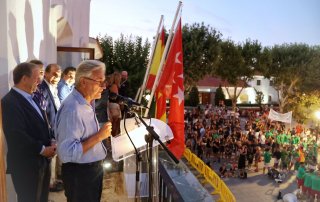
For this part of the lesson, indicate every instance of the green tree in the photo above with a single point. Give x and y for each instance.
(304, 106)
(219, 96)
(192, 99)
(291, 67)
(238, 64)
(259, 97)
(200, 52)
(106, 44)
(129, 54)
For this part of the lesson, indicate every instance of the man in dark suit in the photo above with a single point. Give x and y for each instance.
(27, 135)
(124, 85)
(49, 90)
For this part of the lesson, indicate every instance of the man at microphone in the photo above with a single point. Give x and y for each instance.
(79, 137)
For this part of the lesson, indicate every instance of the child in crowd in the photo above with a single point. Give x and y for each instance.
(266, 159)
(223, 170)
(277, 157)
(284, 159)
(257, 158)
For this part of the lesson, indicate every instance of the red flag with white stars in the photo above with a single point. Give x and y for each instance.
(172, 82)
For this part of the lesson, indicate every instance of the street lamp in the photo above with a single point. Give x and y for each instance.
(317, 113)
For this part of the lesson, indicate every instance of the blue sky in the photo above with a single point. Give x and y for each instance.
(269, 21)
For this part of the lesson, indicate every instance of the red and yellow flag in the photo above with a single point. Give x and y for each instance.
(161, 106)
(156, 60)
(171, 83)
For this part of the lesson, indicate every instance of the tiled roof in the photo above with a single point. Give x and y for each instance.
(216, 81)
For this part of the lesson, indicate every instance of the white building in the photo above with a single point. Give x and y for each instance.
(208, 86)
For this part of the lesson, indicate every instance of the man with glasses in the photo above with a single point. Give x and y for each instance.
(79, 136)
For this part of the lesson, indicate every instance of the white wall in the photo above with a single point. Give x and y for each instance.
(28, 31)
(265, 88)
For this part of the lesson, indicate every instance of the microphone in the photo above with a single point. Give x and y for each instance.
(127, 100)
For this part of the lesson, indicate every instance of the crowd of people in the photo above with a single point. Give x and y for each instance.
(236, 142)
(53, 137)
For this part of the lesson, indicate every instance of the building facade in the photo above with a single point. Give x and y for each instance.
(208, 86)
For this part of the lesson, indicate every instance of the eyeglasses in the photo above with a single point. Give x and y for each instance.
(101, 83)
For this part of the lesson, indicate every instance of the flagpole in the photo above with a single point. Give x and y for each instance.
(143, 86)
(166, 49)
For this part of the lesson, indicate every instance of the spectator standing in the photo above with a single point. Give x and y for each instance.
(114, 107)
(277, 157)
(66, 84)
(266, 159)
(48, 89)
(124, 84)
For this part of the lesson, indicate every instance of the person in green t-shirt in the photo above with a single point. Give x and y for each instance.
(215, 136)
(284, 159)
(300, 174)
(295, 140)
(279, 139)
(283, 137)
(266, 159)
(287, 138)
(294, 159)
(269, 134)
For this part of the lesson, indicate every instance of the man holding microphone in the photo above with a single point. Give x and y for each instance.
(79, 137)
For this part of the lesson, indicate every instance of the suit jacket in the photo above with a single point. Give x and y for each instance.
(124, 88)
(26, 133)
(51, 108)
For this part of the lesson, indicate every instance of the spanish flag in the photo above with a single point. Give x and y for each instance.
(156, 60)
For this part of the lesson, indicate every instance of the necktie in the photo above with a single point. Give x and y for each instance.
(40, 110)
(35, 105)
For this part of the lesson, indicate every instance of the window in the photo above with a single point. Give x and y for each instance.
(269, 98)
(271, 83)
(258, 82)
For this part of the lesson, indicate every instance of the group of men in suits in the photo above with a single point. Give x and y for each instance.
(45, 96)
(37, 128)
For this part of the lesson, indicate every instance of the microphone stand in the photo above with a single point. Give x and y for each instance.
(138, 155)
(149, 139)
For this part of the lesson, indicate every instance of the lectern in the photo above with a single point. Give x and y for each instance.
(122, 149)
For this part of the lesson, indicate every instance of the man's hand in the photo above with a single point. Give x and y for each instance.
(105, 131)
(49, 151)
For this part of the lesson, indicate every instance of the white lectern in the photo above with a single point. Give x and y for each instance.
(122, 147)
(137, 135)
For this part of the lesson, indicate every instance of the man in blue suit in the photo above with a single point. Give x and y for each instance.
(48, 89)
(27, 135)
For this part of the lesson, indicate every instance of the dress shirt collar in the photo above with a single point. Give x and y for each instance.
(80, 98)
(53, 88)
(65, 83)
(23, 93)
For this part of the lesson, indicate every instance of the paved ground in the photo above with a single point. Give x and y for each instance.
(259, 187)
(256, 188)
